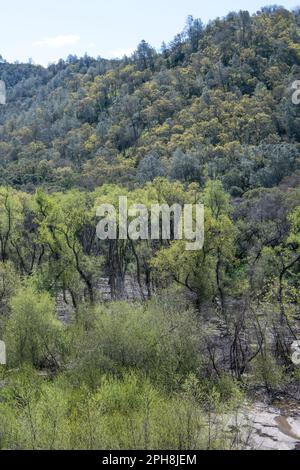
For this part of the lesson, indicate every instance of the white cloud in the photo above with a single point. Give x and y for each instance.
(59, 41)
(119, 53)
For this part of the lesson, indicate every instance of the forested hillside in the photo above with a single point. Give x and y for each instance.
(216, 102)
(208, 119)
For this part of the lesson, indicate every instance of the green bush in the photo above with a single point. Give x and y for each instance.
(163, 345)
(128, 413)
(32, 333)
(268, 373)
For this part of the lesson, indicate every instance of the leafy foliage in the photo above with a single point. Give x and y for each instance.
(214, 102)
(209, 119)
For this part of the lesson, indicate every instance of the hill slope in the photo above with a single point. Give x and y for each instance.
(214, 102)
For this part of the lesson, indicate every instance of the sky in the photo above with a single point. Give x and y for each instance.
(47, 30)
